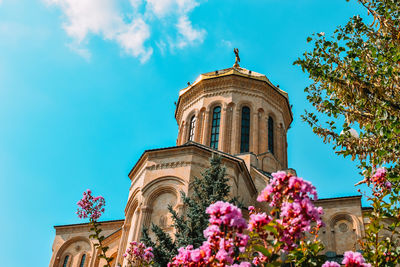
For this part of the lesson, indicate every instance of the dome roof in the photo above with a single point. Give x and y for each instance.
(235, 70)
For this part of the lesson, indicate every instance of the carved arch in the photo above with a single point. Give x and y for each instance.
(346, 235)
(60, 253)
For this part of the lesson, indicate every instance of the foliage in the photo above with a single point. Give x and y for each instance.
(382, 233)
(189, 226)
(165, 247)
(356, 83)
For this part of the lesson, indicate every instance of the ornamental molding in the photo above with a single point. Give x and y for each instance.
(172, 165)
(191, 102)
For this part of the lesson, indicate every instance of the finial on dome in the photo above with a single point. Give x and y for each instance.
(237, 58)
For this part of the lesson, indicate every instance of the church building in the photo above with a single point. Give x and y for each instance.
(238, 114)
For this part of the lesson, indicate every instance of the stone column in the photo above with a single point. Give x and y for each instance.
(222, 129)
(134, 225)
(235, 131)
(201, 126)
(197, 127)
(132, 234)
(143, 221)
(254, 133)
(146, 216)
(279, 145)
(122, 242)
(285, 163)
(206, 127)
(184, 133)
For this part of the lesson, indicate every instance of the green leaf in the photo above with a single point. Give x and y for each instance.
(263, 250)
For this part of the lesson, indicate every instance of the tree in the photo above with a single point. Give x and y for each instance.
(210, 188)
(356, 83)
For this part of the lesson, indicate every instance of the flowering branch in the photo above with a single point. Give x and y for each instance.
(93, 207)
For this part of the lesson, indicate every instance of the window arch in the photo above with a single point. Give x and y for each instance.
(65, 264)
(192, 126)
(215, 127)
(82, 260)
(271, 134)
(245, 130)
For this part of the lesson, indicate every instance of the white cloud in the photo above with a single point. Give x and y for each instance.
(80, 50)
(187, 34)
(162, 46)
(226, 43)
(162, 8)
(131, 40)
(84, 18)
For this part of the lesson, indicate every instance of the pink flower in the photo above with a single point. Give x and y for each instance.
(292, 197)
(224, 256)
(225, 238)
(224, 213)
(354, 259)
(90, 206)
(189, 256)
(330, 264)
(258, 220)
(379, 179)
(242, 264)
(286, 185)
(137, 254)
(258, 260)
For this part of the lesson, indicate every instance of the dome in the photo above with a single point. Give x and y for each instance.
(235, 70)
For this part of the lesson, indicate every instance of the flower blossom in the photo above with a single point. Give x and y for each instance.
(330, 264)
(292, 197)
(284, 185)
(137, 254)
(90, 206)
(354, 259)
(379, 179)
(258, 220)
(224, 236)
(242, 264)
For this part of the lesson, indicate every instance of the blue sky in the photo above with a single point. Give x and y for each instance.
(86, 86)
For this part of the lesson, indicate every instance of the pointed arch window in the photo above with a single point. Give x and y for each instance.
(215, 127)
(192, 126)
(82, 260)
(65, 264)
(245, 130)
(271, 134)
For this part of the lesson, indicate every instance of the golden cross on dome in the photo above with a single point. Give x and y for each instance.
(237, 58)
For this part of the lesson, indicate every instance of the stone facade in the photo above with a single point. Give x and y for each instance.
(212, 114)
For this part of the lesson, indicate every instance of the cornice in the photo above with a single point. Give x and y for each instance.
(171, 165)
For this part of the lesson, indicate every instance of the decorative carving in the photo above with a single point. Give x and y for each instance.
(163, 221)
(171, 165)
(343, 227)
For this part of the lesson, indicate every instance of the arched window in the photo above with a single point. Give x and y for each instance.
(271, 134)
(245, 132)
(65, 264)
(82, 260)
(215, 127)
(192, 125)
